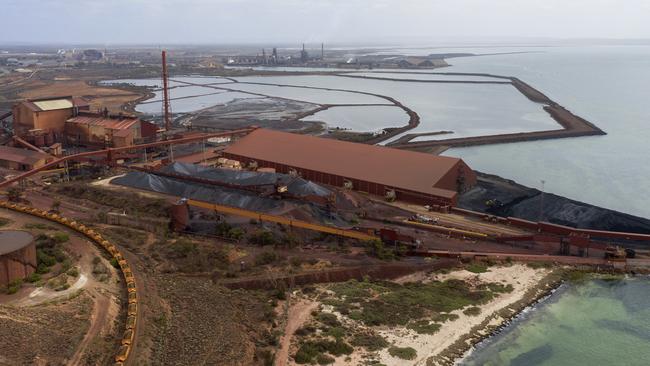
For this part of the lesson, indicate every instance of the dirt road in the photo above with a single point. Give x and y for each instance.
(298, 314)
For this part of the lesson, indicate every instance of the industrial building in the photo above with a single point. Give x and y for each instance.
(42, 121)
(405, 175)
(17, 256)
(22, 159)
(103, 129)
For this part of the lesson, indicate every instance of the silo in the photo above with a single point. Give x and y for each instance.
(180, 215)
(17, 255)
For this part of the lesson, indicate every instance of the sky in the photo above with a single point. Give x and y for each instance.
(331, 21)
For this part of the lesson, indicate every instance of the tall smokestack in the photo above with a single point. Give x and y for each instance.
(322, 51)
(166, 106)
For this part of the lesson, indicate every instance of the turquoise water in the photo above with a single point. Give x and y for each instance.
(591, 324)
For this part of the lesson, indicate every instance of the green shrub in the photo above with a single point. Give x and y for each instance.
(14, 286)
(472, 311)
(376, 248)
(115, 263)
(424, 327)
(328, 319)
(236, 233)
(44, 258)
(34, 277)
(477, 268)
(262, 238)
(336, 332)
(537, 265)
(73, 272)
(324, 359)
(306, 353)
(4, 221)
(405, 353)
(500, 288)
(370, 341)
(182, 248)
(266, 257)
(60, 237)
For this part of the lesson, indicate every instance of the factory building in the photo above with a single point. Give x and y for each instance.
(42, 121)
(105, 130)
(17, 256)
(406, 175)
(22, 159)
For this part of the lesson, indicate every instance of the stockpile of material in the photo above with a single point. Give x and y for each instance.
(234, 197)
(296, 186)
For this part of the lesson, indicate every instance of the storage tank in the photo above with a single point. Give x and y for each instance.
(17, 255)
(180, 215)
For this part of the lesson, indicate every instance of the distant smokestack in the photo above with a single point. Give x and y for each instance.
(322, 51)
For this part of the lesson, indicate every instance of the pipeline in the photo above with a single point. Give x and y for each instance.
(132, 306)
(110, 153)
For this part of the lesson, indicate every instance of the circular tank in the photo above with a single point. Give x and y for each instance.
(17, 255)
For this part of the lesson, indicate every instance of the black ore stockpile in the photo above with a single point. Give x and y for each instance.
(511, 199)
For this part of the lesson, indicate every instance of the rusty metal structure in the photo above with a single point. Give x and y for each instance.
(166, 104)
(17, 256)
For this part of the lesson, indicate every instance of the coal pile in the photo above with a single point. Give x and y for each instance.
(296, 186)
(233, 197)
(513, 199)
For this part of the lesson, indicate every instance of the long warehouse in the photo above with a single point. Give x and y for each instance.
(412, 176)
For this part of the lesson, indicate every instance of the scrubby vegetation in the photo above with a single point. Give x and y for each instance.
(132, 203)
(49, 252)
(405, 353)
(376, 248)
(472, 311)
(477, 267)
(225, 230)
(387, 303)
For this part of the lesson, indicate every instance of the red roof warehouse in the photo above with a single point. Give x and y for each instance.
(415, 177)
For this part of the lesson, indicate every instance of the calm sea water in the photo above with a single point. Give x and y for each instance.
(608, 86)
(591, 324)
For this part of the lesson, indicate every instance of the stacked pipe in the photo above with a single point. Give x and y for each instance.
(132, 305)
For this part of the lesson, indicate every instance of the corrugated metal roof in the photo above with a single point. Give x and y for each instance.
(110, 123)
(50, 105)
(396, 168)
(21, 156)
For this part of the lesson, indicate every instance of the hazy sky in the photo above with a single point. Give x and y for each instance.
(334, 21)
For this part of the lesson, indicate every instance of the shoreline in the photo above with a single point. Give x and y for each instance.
(464, 346)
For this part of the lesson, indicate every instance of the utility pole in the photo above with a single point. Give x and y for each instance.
(541, 202)
(166, 106)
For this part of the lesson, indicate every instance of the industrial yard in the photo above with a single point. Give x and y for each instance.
(244, 232)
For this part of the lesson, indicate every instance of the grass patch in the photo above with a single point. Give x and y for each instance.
(405, 353)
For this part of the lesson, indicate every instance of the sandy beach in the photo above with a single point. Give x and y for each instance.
(521, 277)
(454, 336)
